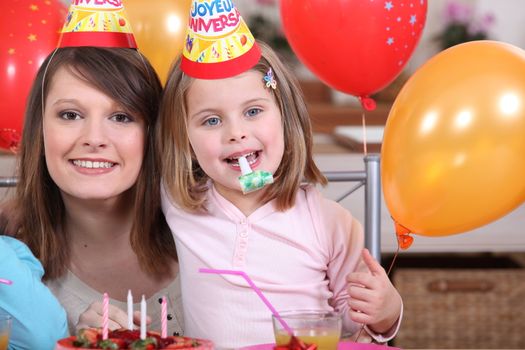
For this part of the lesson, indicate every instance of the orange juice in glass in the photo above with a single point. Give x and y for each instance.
(322, 328)
(5, 330)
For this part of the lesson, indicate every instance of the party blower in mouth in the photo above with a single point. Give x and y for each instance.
(252, 180)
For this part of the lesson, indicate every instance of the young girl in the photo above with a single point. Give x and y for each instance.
(301, 250)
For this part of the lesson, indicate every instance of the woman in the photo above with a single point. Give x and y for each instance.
(87, 201)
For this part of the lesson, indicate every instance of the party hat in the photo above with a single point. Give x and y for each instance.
(218, 41)
(97, 23)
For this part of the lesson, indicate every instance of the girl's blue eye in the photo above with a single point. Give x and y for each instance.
(212, 121)
(121, 118)
(69, 115)
(252, 112)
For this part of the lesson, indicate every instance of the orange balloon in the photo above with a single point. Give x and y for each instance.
(160, 28)
(453, 153)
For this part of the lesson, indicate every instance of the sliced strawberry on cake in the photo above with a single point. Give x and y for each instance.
(129, 339)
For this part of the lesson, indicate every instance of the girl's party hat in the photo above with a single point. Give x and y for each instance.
(97, 23)
(218, 41)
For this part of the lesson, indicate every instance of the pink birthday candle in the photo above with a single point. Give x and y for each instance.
(105, 316)
(164, 318)
(5, 281)
(255, 289)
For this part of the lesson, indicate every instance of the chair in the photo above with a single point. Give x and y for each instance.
(369, 178)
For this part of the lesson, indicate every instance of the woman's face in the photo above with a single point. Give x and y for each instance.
(93, 147)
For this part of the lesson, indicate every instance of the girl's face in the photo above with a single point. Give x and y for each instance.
(232, 117)
(93, 148)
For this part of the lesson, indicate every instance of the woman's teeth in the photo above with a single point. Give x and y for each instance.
(92, 165)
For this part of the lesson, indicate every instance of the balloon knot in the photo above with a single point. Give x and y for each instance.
(368, 103)
(403, 236)
(404, 241)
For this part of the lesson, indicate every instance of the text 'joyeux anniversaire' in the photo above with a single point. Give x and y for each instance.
(217, 15)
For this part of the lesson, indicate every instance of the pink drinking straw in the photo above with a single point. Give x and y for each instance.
(255, 289)
(105, 316)
(4, 281)
(164, 318)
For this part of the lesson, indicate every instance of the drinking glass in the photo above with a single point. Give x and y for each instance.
(5, 330)
(311, 326)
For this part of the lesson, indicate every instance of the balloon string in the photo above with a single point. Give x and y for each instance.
(363, 122)
(388, 274)
(393, 259)
(359, 334)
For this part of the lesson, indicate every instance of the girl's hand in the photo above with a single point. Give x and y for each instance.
(92, 317)
(374, 301)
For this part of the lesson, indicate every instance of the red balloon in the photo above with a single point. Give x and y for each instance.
(355, 46)
(29, 31)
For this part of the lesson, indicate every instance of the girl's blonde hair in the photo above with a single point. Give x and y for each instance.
(184, 178)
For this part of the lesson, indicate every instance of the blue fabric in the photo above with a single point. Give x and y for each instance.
(38, 318)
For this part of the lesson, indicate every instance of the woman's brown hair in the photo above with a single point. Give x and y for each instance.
(182, 175)
(127, 77)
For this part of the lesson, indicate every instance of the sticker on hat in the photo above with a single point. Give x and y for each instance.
(101, 23)
(218, 44)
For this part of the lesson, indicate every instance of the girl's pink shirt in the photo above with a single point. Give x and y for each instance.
(298, 258)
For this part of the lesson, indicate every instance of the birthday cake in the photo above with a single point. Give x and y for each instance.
(129, 339)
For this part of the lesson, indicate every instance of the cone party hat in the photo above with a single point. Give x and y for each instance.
(218, 44)
(97, 23)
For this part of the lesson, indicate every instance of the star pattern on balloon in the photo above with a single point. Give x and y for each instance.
(30, 25)
(30, 30)
(368, 47)
(401, 14)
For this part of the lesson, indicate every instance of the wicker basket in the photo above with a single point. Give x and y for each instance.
(462, 308)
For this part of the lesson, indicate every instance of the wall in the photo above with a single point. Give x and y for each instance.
(509, 25)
